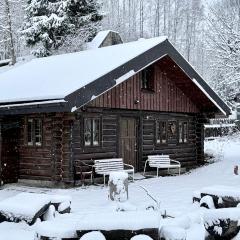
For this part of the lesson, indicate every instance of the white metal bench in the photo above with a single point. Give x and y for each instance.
(161, 161)
(106, 166)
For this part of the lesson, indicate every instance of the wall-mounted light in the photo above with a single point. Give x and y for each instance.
(136, 101)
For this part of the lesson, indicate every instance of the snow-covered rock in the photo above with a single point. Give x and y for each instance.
(141, 237)
(94, 235)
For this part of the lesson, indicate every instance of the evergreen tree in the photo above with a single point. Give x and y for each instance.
(49, 22)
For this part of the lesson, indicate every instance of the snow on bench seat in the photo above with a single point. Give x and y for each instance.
(30, 206)
(67, 225)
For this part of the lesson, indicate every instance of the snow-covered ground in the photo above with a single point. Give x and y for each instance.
(174, 193)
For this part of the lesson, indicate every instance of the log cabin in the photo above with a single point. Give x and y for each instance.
(128, 100)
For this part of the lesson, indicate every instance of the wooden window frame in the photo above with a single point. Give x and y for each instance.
(34, 143)
(147, 79)
(157, 128)
(100, 131)
(184, 140)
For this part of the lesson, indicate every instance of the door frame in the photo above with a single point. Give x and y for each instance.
(138, 134)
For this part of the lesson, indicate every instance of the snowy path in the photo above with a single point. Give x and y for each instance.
(175, 193)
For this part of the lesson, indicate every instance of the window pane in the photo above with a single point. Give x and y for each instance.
(180, 132)
(38, 132)
(164, 132)
(87, 132)
(172, 130)
(185, 132)
(30, 132)
(158, 133)
(147, 76)
(161, 132)
(95, 132)
(144, 79)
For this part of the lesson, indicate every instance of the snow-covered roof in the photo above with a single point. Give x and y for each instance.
(80, 77)
(57, 76)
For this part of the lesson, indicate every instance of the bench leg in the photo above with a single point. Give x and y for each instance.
(104, 179)
(179, 170)
(157, 172)
(133, 177)
(145, 168)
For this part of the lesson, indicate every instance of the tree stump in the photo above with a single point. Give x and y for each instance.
(118, 186)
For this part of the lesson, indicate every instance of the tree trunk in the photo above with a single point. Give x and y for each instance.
(9, 30)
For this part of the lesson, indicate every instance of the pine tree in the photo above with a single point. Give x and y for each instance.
(49, 22)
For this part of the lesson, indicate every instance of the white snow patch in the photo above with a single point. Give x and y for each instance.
(24, 205)
(173, 233)
(64, 205)
(208, 200)
(94, 235)
(141, 237)
(50, 214)
(125, 77)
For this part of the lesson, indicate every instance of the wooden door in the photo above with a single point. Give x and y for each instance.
(128, 141)
(9, 160)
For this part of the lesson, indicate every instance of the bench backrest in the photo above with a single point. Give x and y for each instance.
(159, 160)
(108, 165)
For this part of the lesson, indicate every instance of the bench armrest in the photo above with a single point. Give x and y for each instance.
(87, 165)
(128, 165)
(175, 162)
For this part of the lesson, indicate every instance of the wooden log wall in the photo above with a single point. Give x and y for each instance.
(63, 151)
(35, 163)
(109, 141)
(183, 152)
(200, 121)
(52, 160)
(186, 153)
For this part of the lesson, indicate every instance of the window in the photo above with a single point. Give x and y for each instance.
(147, 77)
(91, 132)
(172, 131)
(34, 132)
(161, 132)
(183, 132)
